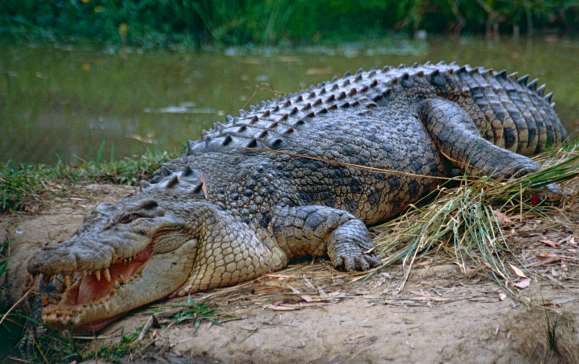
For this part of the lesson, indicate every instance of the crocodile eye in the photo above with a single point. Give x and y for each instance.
(127, 218)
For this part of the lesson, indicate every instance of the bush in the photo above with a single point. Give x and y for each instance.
(158, 23)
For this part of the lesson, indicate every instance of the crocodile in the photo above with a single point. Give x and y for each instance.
(301, 174)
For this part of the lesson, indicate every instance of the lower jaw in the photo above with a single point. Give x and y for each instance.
(84, 328)
(95, 326)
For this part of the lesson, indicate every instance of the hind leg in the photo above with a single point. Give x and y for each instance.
(457, 137)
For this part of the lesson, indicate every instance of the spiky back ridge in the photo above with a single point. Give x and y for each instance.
(510, 112)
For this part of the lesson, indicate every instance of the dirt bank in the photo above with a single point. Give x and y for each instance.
(308, 314)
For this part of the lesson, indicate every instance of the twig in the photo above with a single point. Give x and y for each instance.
(14, 306)
(380, 170)
(150, 322)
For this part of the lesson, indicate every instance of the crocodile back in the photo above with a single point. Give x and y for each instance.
(508, 111)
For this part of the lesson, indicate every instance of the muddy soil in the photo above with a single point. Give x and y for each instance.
(442, 315)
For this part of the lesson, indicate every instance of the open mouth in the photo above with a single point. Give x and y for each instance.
(84, 290)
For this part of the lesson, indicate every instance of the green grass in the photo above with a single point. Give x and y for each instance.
(20, 184)
(159, 23)
(56, 347)
(197, 313)
(4, 258)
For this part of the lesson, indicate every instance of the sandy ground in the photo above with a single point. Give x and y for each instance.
(440, 316)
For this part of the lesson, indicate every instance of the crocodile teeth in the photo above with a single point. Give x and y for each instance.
(66, 281)
(107, 275)
(121, 278)
(97, 274)
(84, 273)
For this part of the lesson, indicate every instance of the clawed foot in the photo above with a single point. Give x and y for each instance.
(351, 256)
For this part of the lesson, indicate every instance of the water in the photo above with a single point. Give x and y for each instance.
(64, 102)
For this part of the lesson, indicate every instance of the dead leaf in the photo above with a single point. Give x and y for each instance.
(572, 241)
(502, 217)
(32, 207)
(518, 271)
(307, 298)
(524, 283)
(358, 336)
(550, 243)
(278, 276)
(502, 296)
(280, 308)
(545, 255)
(428, 298)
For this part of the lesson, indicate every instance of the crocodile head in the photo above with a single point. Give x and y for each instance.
(123, 256)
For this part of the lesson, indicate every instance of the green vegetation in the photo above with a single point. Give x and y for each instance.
(197, 313)
(54, 348)
(4, 258)
(159, 23)
(23, 183)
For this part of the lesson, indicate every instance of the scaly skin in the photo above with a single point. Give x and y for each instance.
(223, 214)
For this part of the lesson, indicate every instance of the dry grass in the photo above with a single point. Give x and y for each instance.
(464, 221)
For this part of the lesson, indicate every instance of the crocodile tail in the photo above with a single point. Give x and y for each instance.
(508, 111)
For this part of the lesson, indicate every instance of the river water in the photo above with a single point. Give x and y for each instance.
(60, 101)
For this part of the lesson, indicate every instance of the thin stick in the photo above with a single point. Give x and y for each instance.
(146, 328)
(380, 170)
(37, 346)
(14, 306)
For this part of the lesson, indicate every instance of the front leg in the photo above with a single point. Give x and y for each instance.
(321, 230)
(228, 252)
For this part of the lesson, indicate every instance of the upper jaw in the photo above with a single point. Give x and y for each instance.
(86, 256)
(83, 291)
(156, 278)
